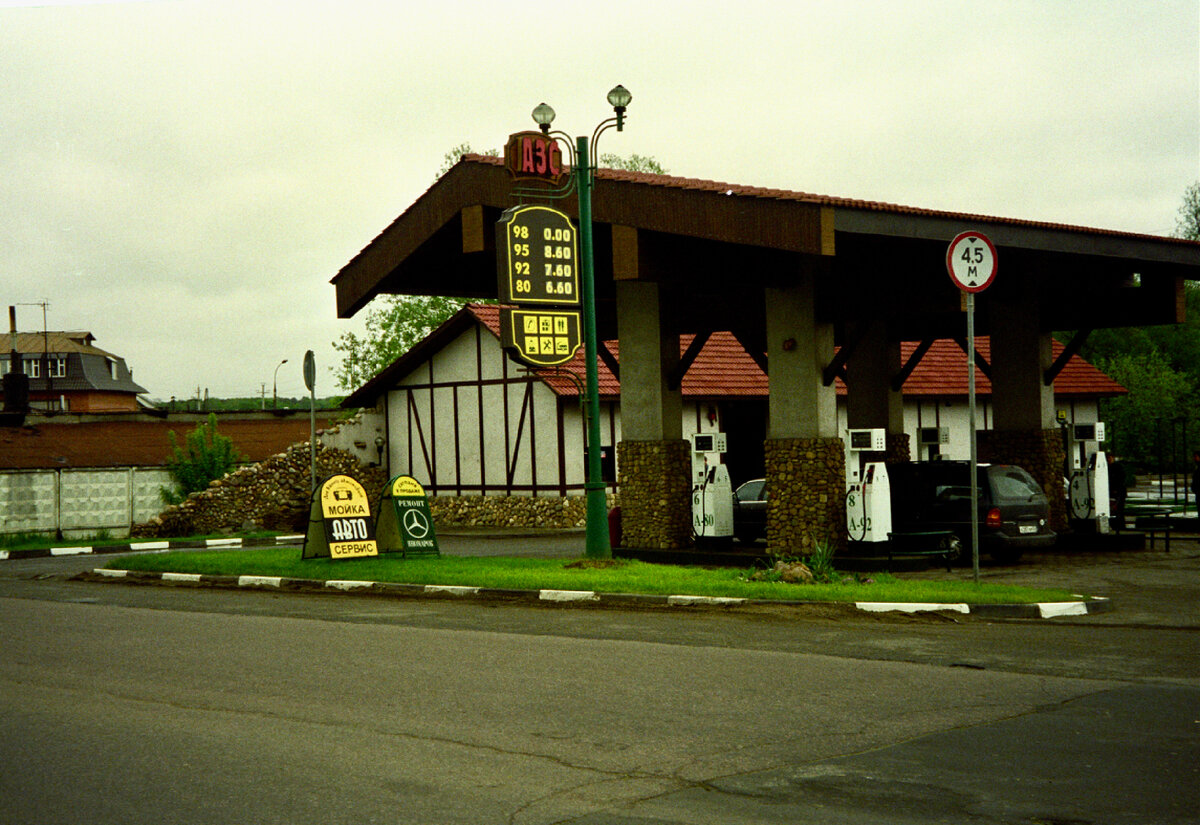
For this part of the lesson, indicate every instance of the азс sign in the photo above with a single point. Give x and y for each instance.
(533, 155)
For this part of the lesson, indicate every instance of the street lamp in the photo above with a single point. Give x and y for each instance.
(275, 386)
(583, 173)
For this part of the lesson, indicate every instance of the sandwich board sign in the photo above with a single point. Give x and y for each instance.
(343, 513)
(405, 521)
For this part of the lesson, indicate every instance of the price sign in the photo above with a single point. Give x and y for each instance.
(971, 261)
(539, 337)
(538, 257)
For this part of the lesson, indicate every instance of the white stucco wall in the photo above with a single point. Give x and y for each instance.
(467, 378)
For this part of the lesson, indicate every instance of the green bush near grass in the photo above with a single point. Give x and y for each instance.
(557, 574)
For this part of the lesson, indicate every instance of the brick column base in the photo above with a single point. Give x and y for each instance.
(655, 494)
(1038, 452)
(807, 482)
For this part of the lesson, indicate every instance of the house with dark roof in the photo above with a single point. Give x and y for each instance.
(68, 373)
(465, 418)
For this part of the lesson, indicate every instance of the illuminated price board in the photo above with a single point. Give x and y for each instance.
(539, 337)
(537, 257)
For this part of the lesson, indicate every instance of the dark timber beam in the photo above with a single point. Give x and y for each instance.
(607, 357)
(911, 364)
(837, 367)
(748, 344)
(1070, 351)
(980, 361)
(675, 378)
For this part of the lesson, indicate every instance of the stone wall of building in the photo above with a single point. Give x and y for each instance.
(273, 495)
(656, 494)
(1040, 453)
(807, 480)
(511, 511)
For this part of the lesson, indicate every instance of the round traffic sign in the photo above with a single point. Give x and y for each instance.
(971, 261)
(310, 370)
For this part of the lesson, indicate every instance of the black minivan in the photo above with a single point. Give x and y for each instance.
(1014, 513)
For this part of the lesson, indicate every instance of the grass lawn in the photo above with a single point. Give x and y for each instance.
(556, 574)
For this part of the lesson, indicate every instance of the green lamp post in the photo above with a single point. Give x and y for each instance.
(597, 545)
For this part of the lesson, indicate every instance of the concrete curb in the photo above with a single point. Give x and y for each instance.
(1045, 610)
(147, 547)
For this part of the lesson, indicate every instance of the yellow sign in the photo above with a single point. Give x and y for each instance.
(542, 338)
(404, 486)
(346, 512)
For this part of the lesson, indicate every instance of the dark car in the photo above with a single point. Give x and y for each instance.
(1014, 514)
(750, 511)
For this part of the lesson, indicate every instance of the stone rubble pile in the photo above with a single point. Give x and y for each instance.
(272, 495)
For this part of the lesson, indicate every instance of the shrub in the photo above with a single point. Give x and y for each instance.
(205, 456)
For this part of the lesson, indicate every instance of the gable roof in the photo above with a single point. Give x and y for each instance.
(441, 245)
(723, 369)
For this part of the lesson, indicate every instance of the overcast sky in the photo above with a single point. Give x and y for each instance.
(183, 177)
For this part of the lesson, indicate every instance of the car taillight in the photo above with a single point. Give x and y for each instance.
(993, 518)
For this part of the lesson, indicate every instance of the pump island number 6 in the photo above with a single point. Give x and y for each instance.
(971, 261)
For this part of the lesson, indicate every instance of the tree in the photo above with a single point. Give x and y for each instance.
(1156, 393)
(633, 163)
(393, 324)
(205, 456)
(1187, 224)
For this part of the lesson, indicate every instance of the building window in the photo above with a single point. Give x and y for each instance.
(33, 368)
(112, 369)
(58, 368)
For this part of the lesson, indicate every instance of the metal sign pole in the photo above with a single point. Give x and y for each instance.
(971, 426)
(971, 264)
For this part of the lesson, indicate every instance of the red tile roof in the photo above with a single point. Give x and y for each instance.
(723, 369)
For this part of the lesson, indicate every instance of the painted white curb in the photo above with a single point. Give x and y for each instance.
(452, 589)
(112, 574)
(222, 542)
(260, 581)
(685, 601)
(910, 607)
(568, 596)
(347, 584)
(181, 577)
(1049, 610)
(150, 545)
(70, 551)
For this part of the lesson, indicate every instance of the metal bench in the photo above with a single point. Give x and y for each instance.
(1153, 520)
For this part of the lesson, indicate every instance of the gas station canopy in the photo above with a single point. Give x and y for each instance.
(716, 245)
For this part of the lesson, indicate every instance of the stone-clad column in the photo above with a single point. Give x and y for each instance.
(871, 402)
(653, 459)
(1023, 430)
(805, 462)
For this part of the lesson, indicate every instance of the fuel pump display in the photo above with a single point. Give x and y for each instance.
(712, 491)
(868, 490)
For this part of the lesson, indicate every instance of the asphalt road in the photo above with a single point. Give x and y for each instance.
(135, 704)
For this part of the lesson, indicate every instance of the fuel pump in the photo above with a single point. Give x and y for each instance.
(1088, 490)
(868, 491)
(712, 491)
